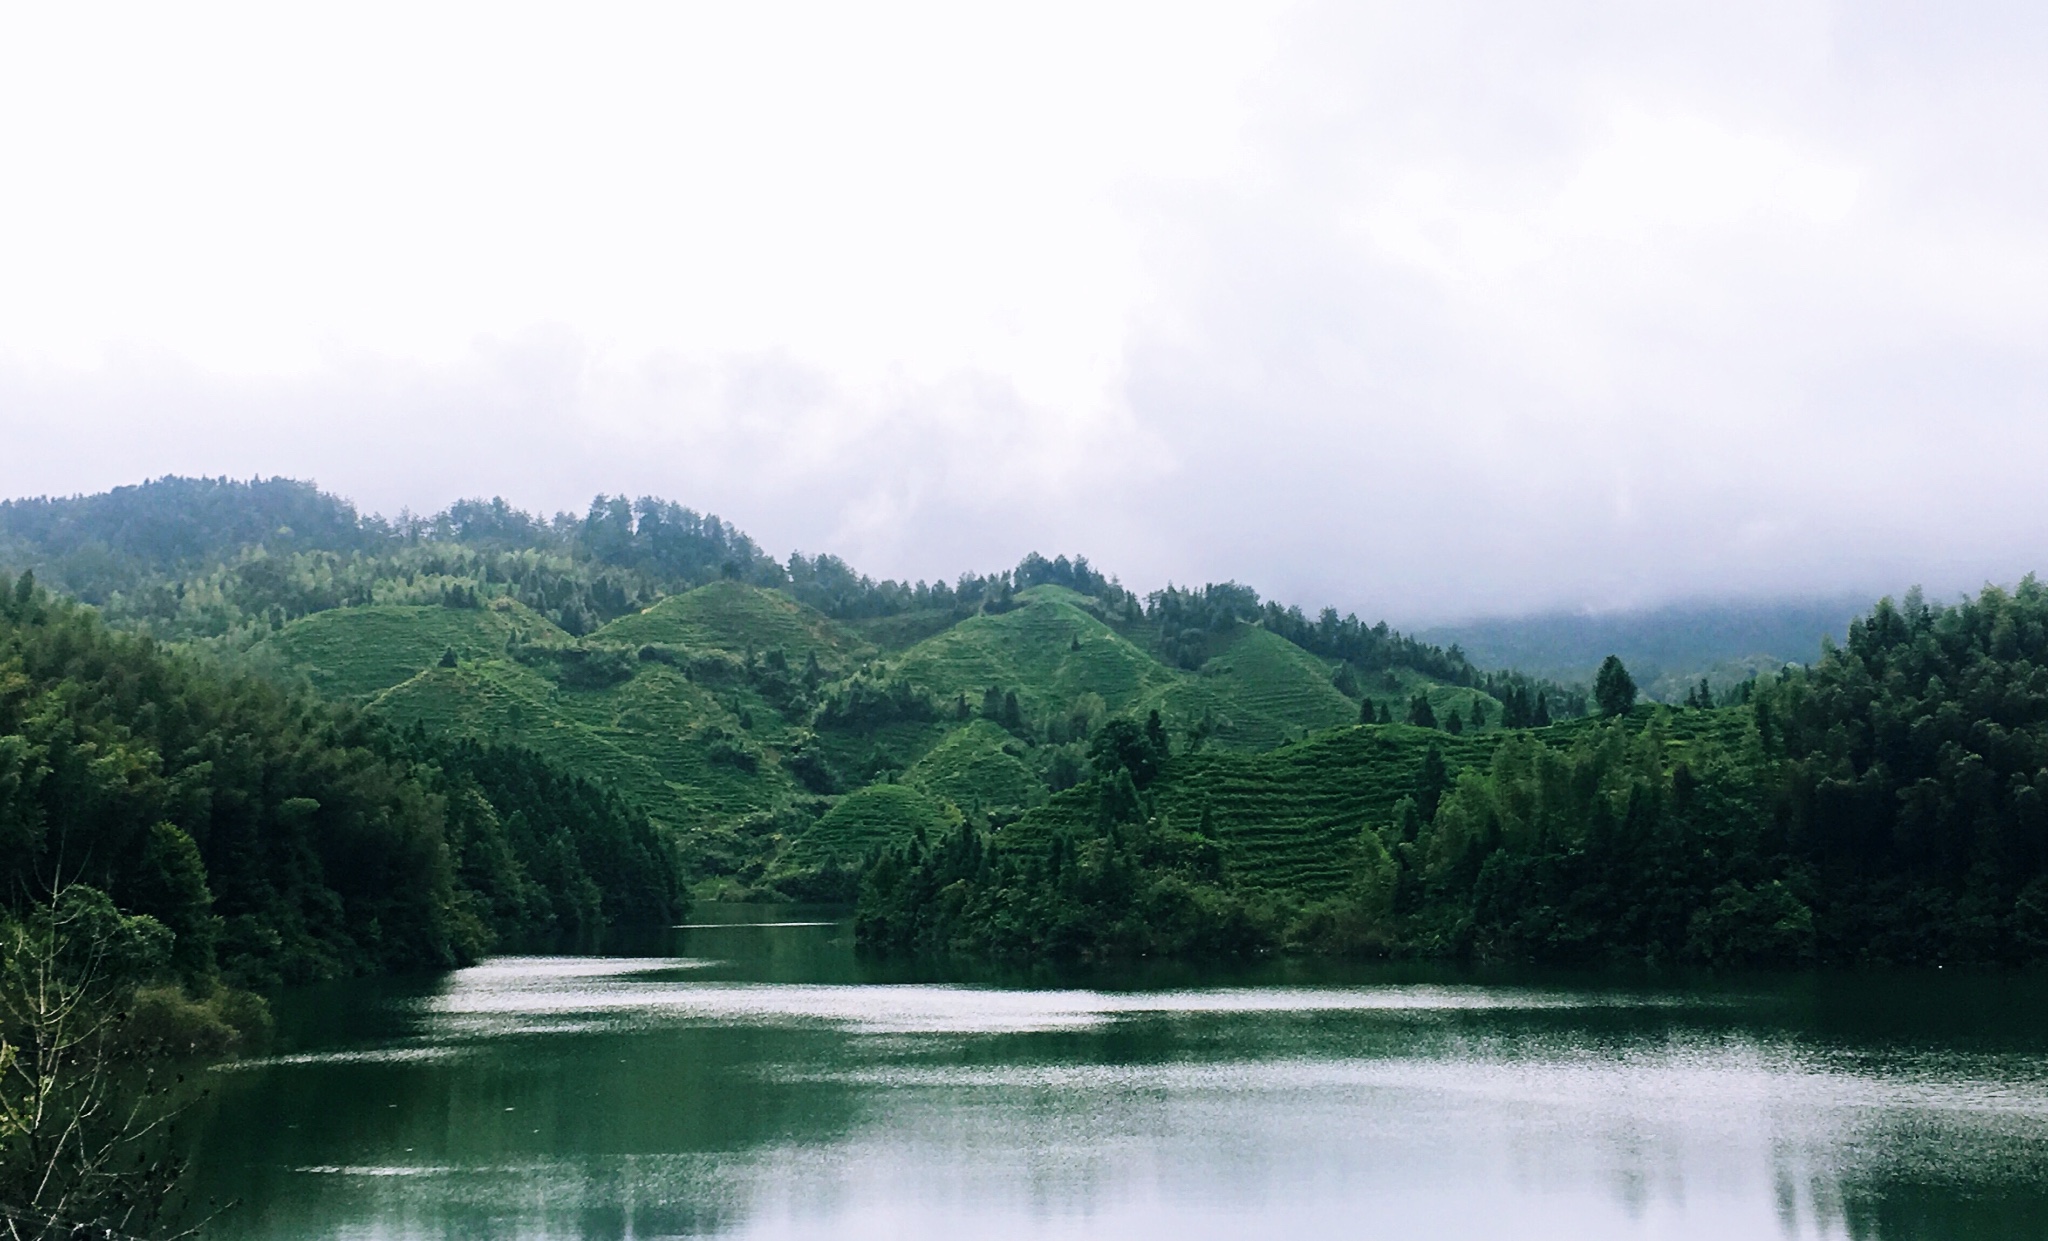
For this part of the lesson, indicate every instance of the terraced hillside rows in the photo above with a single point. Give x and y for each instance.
(659, 740)
(737, 618)
(976, 767)
(696, 707)
(1396, 688)
(1273, 690)
(506, 702)
(873, 817)
(1288, 820)
(1050, 650)
(352, 652)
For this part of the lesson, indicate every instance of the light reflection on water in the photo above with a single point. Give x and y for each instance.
(683, 1095)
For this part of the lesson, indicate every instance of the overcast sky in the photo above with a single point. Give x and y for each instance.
(1428, 310)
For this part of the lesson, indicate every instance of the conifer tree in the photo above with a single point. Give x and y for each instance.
(1430, 782)
(1613, 688)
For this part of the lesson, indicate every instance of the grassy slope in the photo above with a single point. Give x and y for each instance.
(351, 652)
(735, 617)
(659, 739)
(976, 767)
(1049, 649)
(880, 814)
(1443, 699)
(1273, 687)
(700, 757)
(505, 700)
(890, 634)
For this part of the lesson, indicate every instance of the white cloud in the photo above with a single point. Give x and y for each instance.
(1424, 309)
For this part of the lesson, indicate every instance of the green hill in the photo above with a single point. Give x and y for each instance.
(977, 767)
(663, 707)
(880, 814)
(350, 652)
(505, 702)
(1396, 688)
(1049, 649)
(734, 617)
(658, 739)
(726, 694)
(1053, 649)
(1273, 689)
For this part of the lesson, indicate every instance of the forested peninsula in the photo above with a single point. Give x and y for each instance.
(310, 743)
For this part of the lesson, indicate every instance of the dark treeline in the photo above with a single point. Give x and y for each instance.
(1889, 804)
(279, 838)
(1188, 619)
(185, 558)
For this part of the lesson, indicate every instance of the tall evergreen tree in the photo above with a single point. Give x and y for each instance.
(1431, 780)
(1613, 688)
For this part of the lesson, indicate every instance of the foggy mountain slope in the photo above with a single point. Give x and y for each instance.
(1668, 648)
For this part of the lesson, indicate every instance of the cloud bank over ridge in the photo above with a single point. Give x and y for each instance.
(1426, 310)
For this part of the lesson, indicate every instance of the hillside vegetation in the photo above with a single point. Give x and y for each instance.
(733, 699)
(277, 837)
(1890, 804)
(317, 743)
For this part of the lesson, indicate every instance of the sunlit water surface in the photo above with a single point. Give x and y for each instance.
(759, 1081)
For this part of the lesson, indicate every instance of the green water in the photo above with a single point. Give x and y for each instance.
(759, 1081)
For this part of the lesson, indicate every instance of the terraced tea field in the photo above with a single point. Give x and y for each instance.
(976, 767)
(734, 617)
(353, 652)
(684, 729)
(878, 815)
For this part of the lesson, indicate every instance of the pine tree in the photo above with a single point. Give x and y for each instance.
(1430, 782)
(1613, 688)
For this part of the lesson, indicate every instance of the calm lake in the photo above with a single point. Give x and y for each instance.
(760, 1081)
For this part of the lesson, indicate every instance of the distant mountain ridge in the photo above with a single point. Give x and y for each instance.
(1668, 648)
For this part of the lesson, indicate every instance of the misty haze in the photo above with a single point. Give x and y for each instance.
(911, 620)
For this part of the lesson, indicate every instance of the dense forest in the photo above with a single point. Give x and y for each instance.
(281, 838)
